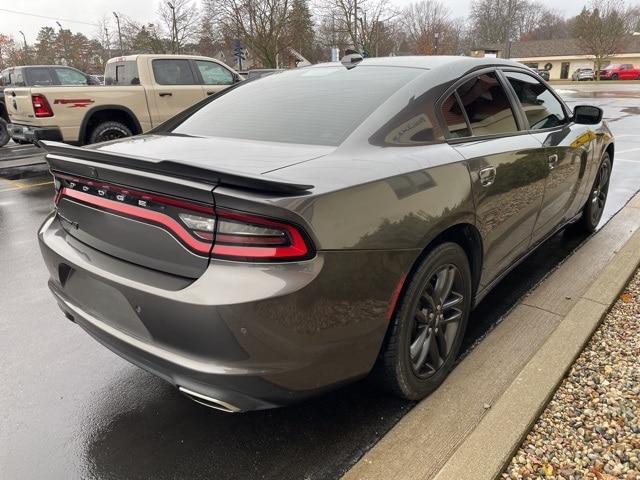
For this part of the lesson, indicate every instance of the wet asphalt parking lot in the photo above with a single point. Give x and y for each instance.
(70, 409)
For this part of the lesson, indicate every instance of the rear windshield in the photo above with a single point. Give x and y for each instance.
(319, 106)
(122, 73)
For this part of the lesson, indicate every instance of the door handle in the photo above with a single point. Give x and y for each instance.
(165, 94)
(487, 176)
(211, 93)
(553, 160)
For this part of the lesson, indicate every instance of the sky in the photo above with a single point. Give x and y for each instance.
(72, 13)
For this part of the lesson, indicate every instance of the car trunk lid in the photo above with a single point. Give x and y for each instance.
(157, 214)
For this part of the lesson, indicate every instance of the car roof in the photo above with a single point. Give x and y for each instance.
(429, 62)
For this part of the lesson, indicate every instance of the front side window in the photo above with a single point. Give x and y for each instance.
(487, 106)
(214, 74)
(68, 76)
(542, 108)
(173, 72)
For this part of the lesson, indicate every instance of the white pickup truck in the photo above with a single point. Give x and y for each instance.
(140, 92)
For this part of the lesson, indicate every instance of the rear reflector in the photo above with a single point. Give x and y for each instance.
(41, 107)
(221, 233)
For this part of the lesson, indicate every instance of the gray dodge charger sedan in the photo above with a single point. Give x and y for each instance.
(290, 235)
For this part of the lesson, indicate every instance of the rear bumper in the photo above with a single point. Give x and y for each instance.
(253, 336)
(29, 133)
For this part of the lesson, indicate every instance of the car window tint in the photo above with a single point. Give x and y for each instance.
(316, 105)
(454, 118)
(487, 106)
(542, 108)
(68, 76)
(214, 74)
(39, 76)
(173, 72)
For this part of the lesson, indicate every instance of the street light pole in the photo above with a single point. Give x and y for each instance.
(355, 21)
(119, 33)
(437, 35)
(174, 29)
(26, 51)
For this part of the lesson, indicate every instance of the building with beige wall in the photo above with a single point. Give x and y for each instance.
(560, 57)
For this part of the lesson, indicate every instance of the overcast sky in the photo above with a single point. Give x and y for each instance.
(72, 13)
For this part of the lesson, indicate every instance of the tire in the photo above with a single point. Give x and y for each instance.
(110, 130)
(592, 211)
(403, 367)
(4, 133)
(614, 76)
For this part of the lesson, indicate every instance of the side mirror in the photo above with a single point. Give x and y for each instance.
(587, 114)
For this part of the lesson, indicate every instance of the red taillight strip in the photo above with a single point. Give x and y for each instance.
(136, 212)
(297, 249)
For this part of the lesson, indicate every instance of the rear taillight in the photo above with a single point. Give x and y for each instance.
(41, 106)
(234, 235)
(251, 237)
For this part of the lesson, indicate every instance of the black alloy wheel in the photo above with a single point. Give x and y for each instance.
(436, 321)
(592, 212)
(427, 328)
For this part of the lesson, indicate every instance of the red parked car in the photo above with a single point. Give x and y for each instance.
(624, 71)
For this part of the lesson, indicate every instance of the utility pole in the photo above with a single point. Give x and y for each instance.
(355, 30)
(437, 36)
(119, 33)
(26, 49)
(174, 29)
(511, 4)
(107, 42)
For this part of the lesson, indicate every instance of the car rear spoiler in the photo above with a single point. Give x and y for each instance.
(175, 169)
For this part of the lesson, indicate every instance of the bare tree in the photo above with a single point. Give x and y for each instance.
(260, 24)
(426, 23)
(602, 29)
(366, 23)
(181, 19)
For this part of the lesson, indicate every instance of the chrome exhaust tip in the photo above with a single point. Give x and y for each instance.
(209, 401)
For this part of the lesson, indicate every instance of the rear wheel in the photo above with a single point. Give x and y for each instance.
(4, 133)
(427, 330)
(109, 131)
(592, 212)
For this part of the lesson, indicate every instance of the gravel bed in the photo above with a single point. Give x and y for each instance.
(591, 427)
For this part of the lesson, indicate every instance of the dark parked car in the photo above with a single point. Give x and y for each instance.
(296, 233)
(544, 74)
(40, 75)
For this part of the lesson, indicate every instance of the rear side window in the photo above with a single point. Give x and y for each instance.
(542, 108)
(173, 72)
(454, 117)
(68, 76)
(214, 74)
(122, 73)
(39, 76)
(487, 106)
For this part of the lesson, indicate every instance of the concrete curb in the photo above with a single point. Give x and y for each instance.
(486, 451)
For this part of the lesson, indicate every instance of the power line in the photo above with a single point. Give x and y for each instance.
(48, 18)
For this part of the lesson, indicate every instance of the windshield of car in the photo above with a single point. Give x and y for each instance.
(319, 105)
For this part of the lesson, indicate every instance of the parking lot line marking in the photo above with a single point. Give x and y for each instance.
(629, 150)
(17, 186)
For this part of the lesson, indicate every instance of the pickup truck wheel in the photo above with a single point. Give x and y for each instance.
(4, 133)
(426, 332)
(109, 131)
